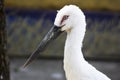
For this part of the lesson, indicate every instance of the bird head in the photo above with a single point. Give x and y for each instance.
(66, 20)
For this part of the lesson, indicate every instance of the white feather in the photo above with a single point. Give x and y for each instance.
(75, 66)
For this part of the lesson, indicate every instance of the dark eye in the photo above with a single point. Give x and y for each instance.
(65, 17)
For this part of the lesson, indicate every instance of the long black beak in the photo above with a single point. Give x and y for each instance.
(50, 36)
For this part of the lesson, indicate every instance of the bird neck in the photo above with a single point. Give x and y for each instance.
(73, 44)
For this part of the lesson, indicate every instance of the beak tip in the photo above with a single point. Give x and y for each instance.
(26, 64)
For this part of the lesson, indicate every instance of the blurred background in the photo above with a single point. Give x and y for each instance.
(27, 21)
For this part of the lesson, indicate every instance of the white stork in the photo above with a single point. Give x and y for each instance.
(71, 20)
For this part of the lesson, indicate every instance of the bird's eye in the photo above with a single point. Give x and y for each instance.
(65, 17)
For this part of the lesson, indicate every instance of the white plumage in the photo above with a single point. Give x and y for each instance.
(72, 20)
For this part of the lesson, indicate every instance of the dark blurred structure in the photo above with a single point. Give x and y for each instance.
(4, 66)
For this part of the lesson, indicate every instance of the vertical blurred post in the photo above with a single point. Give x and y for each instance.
(4, 66)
